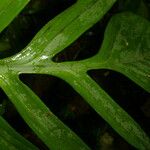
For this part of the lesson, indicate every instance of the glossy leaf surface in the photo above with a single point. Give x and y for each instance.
(49, 41)
(119, 52)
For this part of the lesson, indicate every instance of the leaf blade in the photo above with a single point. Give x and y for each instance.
(64, 29)
(10, 139)
(42, 121)
(9, 9)
(107, 108)
(126, 49)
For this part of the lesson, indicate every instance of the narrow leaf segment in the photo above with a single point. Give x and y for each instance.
(11, 140)
(9, 9)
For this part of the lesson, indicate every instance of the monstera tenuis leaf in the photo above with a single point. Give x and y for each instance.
(56, 35)
(125, 49)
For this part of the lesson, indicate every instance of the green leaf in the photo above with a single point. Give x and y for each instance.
(44, 123)
(11, 140)
(116, 53)
(105, 106)
(130, 53)
(9, 9)
(49, 41)
(61, 31)
(126, 48)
